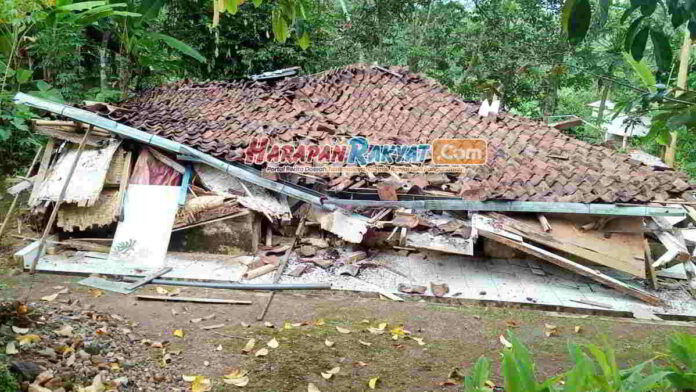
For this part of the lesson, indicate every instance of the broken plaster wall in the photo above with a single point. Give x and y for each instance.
(227, 237)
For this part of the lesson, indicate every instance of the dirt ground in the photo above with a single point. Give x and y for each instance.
(453, 336)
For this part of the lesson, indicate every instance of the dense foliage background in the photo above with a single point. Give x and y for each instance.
(105, 50)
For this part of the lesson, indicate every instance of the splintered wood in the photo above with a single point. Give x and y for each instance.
(349, 227)
(622, 251)
(248, 195)
(88, 179)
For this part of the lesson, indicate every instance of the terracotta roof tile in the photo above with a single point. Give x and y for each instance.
(220, 118)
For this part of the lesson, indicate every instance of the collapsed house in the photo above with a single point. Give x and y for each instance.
(198, 167)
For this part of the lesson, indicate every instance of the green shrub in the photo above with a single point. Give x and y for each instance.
(7, 381)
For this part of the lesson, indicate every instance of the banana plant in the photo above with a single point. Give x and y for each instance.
(682, 361)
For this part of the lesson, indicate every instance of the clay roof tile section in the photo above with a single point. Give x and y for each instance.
(528, 160)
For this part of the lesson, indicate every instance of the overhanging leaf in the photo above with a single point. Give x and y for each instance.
(631, 33)
(662, 49)
(180, 46)
(579, 21)
(81, 6)
(639, 42)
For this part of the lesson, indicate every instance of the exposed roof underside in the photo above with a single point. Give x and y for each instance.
(527, 160)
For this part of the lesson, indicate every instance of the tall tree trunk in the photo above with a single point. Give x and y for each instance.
(603, 105)
(671, 150)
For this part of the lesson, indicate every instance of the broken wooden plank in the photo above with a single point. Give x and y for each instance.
(349, 227)
(649, 270)
(167, 161)
(22, 185)
(592, 303)
(621, 251)
(575, 267)
(92, 141)
(43, 168)
(16, 196)
(59, 200)
(440, 243)
(192, 299)
(147, 279)
(676, 251)
(88, 179)
(544, 223)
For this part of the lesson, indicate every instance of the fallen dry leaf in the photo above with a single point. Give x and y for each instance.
(448, 383)
(262, 352)
(201, 384)
(550, 332)
(96, 293)
(330, 373)
(66, 331)
(249, 346)
(178, 333)
(578, 329)
(373, 382)
(20, 331)
(11, 349)
(342, 330)
(237, 378)
(382, 325)
(50, 298)
(328, 343)
(364, 343)
(505, 342)
(161, 290)
(71, 360)
(312, 388)
(268, 324)
(28, 339)
(375, 331)
(550, 326)
(319, 322)
(273, 343)
(360, 363)
(512, 324)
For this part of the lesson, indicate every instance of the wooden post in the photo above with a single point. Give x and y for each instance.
(54, 213)
(682, 77)
(283, 263)
(649, 270)
(14, 201)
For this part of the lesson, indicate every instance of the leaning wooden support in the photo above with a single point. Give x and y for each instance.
(54, 213)
(575, 267)
(676, 251)
(283, 263)
(649, 270)
(14, 201)
(147, 279)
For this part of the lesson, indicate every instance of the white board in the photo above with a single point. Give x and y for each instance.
(86, 183)
(142, 238)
